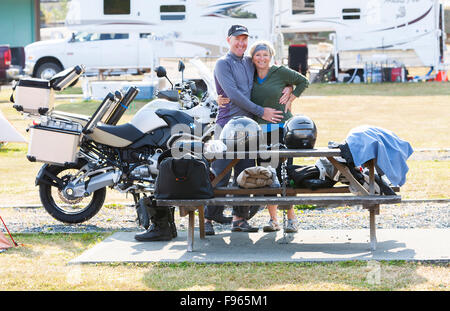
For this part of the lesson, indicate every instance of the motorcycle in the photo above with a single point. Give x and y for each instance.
(85, 155)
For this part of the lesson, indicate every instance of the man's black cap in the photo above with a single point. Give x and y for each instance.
(237, 30)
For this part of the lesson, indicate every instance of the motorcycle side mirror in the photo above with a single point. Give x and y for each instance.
(181, 66)
(161, 72)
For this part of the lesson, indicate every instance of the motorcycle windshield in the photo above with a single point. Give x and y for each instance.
(206, 75)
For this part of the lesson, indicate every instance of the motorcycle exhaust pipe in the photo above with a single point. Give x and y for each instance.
(123, 106)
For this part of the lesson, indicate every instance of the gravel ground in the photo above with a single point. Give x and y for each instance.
(397, 216)
(407, 215)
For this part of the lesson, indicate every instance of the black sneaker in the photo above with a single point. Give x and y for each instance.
(243, 226)
(209, 229)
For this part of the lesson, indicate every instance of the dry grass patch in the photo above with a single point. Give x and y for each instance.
(422, 121)
(42, 265)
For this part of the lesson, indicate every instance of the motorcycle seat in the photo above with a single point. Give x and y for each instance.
(126, 131)
(174, 117)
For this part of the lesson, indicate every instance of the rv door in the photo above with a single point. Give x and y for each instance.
(147, 49)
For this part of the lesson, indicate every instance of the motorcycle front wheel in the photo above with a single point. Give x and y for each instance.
(64, 209)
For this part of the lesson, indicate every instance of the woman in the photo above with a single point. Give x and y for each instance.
(269, 81)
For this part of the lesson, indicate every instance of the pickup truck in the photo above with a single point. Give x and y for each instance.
(114, 51)
(12, 61)
(104, 48)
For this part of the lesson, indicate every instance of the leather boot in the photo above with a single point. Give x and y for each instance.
(160, 229)
(156, 232)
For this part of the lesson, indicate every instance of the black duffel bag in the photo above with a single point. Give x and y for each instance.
(184, 178)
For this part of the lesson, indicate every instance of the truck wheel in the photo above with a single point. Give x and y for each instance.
(47, 70)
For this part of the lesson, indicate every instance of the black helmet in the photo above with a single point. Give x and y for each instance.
(241, 133)
(300, 132)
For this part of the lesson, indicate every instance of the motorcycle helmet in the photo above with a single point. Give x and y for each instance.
(241, 134)
(300, 132)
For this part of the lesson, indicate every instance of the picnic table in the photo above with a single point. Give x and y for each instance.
(338, 195)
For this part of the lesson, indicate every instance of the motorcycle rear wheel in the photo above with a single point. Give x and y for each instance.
(64, 209)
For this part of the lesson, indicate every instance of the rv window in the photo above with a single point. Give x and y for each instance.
(351, 13)
(172, 12)
(351, 10)
(113, 36)
(111, 7)
(350, 16)
(145, 35)
(303, 6)
(118, 36)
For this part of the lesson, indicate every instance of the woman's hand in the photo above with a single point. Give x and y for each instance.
(289, 103)
(222, 101)
(287, 91)
(272, 115)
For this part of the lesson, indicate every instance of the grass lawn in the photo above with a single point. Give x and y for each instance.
(41, 265)
(418, 113)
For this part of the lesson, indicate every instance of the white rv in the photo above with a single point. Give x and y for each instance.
(134, 34)
(406, 32)
(199, 23)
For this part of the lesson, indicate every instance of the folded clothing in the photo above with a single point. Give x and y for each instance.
(256, 177)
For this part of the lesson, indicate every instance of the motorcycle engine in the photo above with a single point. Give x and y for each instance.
(149, 169)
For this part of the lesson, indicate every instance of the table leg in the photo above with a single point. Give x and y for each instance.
(371, 164)
(224, 172)
(346, 172)
(373, 210)
(190, 238)
(201, 221)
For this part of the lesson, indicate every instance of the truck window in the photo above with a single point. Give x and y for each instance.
(172, 12)
(116, 7)
(85, 36)
(302, 6)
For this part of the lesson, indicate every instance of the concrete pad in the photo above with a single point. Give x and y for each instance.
(306, 245)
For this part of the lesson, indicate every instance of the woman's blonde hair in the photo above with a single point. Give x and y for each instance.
(264, 43)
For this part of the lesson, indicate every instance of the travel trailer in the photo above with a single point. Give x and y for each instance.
(199, 23)
(407, 33)
(136, 33)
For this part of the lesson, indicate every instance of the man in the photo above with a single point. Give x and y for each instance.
(233, 75)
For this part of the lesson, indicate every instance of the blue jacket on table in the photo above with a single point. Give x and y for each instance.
(370, 142)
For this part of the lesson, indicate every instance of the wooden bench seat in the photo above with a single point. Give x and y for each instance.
(188, 207)
(222, 191)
